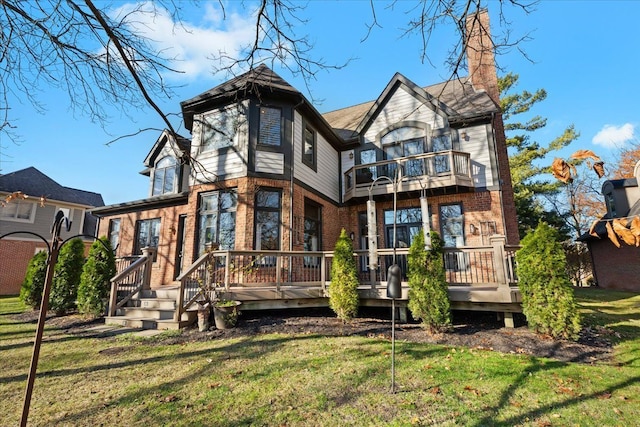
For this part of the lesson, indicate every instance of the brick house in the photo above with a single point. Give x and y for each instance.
(613, 267)
(264, 171)
(22, 217)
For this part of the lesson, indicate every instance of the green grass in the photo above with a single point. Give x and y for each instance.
(310, 380)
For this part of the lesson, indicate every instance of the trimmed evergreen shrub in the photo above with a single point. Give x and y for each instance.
(428, 288)
(33, 283)
(343, 290)
(547, 296)
(95, 284)
(66, 277)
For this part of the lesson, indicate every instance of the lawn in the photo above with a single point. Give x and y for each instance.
(311, 380)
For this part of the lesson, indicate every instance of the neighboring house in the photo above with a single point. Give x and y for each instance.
(267, 171)
(35, 214)
(613, 267)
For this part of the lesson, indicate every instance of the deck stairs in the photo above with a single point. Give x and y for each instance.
(152, 309)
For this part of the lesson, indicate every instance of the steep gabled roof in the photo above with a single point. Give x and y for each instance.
(182, 143)
(457, 99)
(258, 81)
(34, 183)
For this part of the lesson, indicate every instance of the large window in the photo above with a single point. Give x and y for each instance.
(147, 234)
(267, 220)
(114, 233)
(309, 148)
(219, 129)
(441, 141)
(312, 231)
(404, 142)
(270, 131)
(218, 220)
(164, 176)
(452, 225)
(408, 224)
(18, 210)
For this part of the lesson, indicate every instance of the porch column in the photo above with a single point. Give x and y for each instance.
(148, 253)
(499, 264)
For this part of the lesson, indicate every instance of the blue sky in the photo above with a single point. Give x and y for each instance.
(582, 53)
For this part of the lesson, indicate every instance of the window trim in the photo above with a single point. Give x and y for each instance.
(14, 218)
(314, 145)
(218, 212)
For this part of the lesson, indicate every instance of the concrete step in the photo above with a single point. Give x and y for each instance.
(155, 303)
(151, 313)
(165, 293)
(146, 323)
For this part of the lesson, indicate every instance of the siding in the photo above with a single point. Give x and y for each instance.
(348, 161)
(477, 145)
(43, 221)
(326, 177)
(269, 162)
(402, 107)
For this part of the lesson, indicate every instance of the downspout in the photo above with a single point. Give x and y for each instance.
(291, 168)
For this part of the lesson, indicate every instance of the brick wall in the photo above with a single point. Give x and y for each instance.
(616, 268)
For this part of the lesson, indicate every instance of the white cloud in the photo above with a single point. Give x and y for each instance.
(611, 136)
(191, 46)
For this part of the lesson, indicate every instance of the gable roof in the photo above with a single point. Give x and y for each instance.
(34, 183)
(457, 99)
(181, 143)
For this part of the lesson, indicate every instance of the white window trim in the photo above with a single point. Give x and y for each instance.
(32, 217)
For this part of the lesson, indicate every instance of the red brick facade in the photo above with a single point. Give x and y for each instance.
(616, 268)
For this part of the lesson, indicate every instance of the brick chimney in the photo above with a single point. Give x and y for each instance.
(482, 71)
(480, 54)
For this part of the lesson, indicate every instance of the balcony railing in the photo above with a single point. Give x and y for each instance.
(423, 171)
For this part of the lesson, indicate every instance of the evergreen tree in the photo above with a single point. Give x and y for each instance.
(547, 296)
(66, 277)
(428, 288)
(33, 284)
(95, 284)
(343, 290)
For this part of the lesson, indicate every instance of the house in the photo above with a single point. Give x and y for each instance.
(613, 267)
(269, 182)
(22, 220)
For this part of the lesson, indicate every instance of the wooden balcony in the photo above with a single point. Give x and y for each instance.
(423, 171)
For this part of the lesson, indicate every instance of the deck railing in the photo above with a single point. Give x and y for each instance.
(224, 271)
(134, 274)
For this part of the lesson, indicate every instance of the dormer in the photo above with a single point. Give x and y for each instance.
(165, 167)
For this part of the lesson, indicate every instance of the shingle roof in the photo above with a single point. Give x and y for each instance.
(34, 183)
(459, 97)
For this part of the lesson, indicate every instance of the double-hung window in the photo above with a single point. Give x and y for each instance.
(114, 233)
(267, 220)
(309, 147)
(218, 220)
(164, 176)
(147, 234)
(18, 210)
(312, 232)
(270, 130)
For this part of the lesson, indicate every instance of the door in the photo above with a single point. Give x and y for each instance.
(180, 246)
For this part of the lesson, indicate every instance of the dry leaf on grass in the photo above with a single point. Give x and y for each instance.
(612, 235)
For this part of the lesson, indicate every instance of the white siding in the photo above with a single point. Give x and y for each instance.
(403, 107)
(477, 145)
(348, 162)
(229, 162)
(326, 177)
(269, 162)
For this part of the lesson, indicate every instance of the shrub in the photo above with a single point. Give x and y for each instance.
(547, 296)
(95, 284)
(343, 290)
(428, 288)
(33, 284)
(66, 277)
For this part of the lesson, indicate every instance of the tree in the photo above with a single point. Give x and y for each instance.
(343, 290)
(33, 284)
(547, 296)
(95, 283)
(428, 288)
(101, 54)
(526, 156)
(66, 277)
(627, 159)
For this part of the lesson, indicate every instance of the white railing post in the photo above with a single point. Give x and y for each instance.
(497, 243)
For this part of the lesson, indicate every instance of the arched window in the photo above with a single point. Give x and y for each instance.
(164, 176)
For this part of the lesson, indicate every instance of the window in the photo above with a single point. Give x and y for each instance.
(611, 204)
(18, 210)
(403, 142)
(114, 233)
(312, 231)
(68, 213)
(147, 234)
(451, 224)
(270, 131)
(408, 224)
(309, 148)
(267, 220)
(441, 141)
(218, 220)
(219, 129)
(164, 176)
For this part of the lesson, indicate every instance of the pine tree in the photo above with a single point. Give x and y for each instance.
(547, 296)
(343, 290)
(33, 284)
(428, 288)
(95, 284)
(66, 277)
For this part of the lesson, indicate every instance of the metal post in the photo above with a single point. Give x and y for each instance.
(44, 306)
